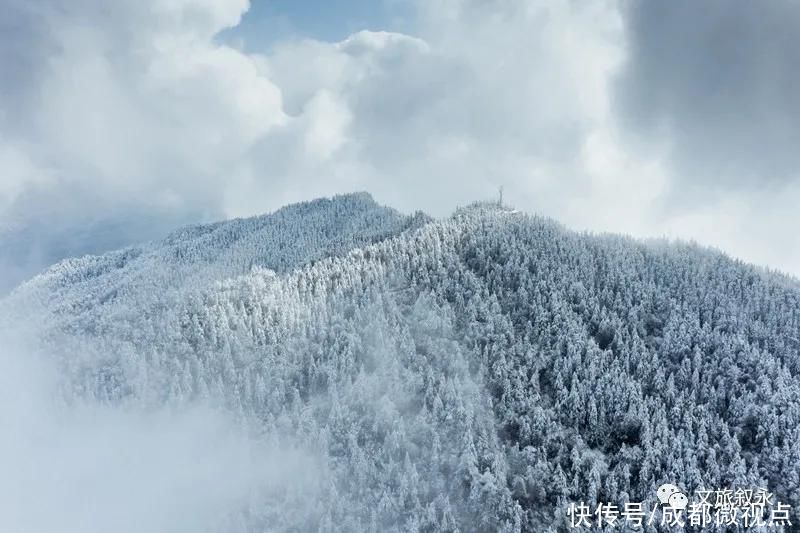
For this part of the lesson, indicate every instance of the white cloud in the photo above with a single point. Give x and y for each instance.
(19, 172)
(328, 119)
(78, 466)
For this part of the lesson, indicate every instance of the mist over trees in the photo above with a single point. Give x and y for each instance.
(477, 373)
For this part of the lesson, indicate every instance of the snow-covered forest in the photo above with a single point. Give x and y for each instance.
(475, 373)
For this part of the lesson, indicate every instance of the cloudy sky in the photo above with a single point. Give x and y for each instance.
(121, 120)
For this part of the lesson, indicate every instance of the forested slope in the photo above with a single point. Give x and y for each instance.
(476, 373)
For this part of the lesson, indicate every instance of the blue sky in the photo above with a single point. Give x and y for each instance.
(271, 21)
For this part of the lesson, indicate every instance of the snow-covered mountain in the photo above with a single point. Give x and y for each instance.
(476, 373)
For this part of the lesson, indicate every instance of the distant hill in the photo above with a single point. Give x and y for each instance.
(476, 373)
